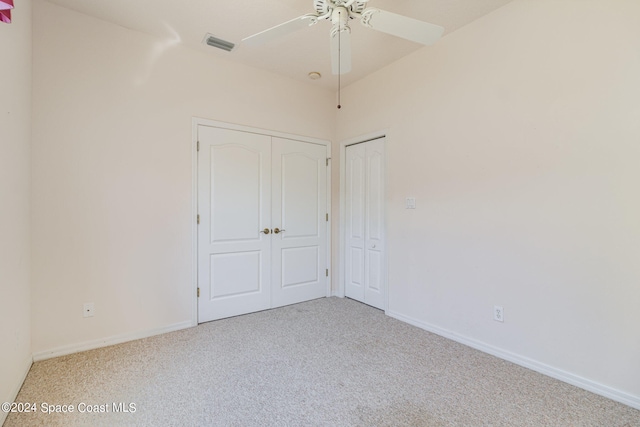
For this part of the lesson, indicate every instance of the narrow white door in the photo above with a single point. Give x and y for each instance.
(234, 205)
(374, 224)
(365, 242)
(355, 221)
(299, 242)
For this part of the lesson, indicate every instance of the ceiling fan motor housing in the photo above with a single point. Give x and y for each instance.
(339, 18)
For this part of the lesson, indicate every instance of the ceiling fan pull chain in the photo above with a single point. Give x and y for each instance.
(339, 63)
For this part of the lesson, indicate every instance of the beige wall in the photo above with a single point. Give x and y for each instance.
(519, 136)
(15, 135)
(112, 172)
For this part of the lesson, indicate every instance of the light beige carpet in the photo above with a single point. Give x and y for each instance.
(328, 362)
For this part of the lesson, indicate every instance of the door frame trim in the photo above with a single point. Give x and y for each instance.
(195, 123)
(340, 271)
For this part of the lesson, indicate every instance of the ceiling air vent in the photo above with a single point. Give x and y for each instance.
(219, 43)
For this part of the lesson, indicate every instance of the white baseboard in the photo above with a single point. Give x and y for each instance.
(559, 374)
(104, 342)
(24, 368)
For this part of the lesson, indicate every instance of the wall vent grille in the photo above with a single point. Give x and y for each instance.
(219, 43)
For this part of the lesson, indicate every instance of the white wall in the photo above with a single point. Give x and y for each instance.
(112, 170)
(519, 136)
(15, 136)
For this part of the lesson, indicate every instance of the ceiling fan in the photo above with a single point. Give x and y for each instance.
(340, 13)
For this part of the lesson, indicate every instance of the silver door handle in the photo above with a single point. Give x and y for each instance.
(277, 231)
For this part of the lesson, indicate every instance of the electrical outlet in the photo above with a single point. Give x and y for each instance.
(88, 309)
(498, 313)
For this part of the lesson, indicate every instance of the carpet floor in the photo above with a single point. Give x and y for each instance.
(328, 362)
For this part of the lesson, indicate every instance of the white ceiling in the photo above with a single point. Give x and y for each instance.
(295, 55)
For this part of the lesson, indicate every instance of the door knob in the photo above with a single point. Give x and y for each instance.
(266, 231)
(277, 231)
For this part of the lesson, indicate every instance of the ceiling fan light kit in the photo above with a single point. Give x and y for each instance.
(340, 12)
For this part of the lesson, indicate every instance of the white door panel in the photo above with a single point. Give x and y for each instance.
(234, 204)
(236, 186)
(364, 228)
(374, 230)
(355, 221)
(299, 179)
(299, 197)
(300, 266)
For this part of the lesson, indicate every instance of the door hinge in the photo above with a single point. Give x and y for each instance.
(198, 146)
(328, 158)
(327, 217)
(327, 272)
(198, 219)
(198, 292)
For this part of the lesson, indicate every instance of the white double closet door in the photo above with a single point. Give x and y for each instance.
(249, 185)
(364, 223)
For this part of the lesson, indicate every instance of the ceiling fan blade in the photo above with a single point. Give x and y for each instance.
(280, 30)
(341, 52)
(401, 26)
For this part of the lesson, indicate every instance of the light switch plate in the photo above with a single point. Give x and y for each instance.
(411, 202)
